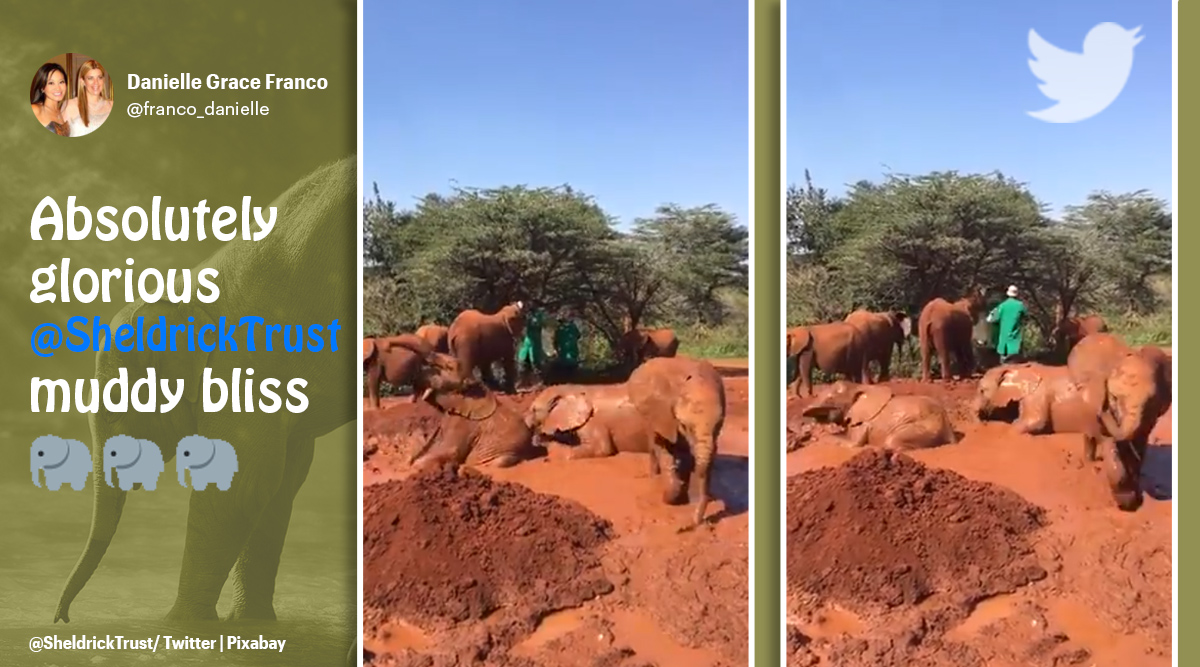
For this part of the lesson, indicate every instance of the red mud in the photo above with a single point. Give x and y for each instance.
(1104, 599)
(552, 562)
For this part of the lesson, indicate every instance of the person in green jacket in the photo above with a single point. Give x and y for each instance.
(532, 354)
(1009, 315)
(566, 344)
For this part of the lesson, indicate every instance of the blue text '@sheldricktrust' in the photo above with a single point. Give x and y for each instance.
(250, 333)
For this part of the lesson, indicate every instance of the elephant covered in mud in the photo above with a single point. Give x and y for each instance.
(393, 359)
(947, 329)
(478, 340)
(1068, 331)
(880, 333)
(298, 274)
(476, 428)
(835, 347)
(598, 420)
(874, 416)
(1136, 389)
(437, 335)
(1046, 398)
(637, 345)
(683, 401)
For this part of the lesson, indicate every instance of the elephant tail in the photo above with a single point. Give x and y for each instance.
(107, 504)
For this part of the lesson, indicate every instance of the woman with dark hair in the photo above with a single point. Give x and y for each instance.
(46, 97)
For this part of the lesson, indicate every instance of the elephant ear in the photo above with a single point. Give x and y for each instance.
(652, 395)
(567, 413)
(368, 348)
(472, 401)
(1015, 384)
(798, 340)
(904, 322)
(870, 402)
(169, 355)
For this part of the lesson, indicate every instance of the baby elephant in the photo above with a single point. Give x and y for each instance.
(599, 420)
(1046, 398)
(873, 415)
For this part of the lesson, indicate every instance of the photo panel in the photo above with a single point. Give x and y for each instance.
(556, 333)
(979, 275)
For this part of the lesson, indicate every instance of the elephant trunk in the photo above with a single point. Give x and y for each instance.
(33, 468)
(107, 504)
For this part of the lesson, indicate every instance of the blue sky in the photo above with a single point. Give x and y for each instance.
(635, 103)
(911, 87)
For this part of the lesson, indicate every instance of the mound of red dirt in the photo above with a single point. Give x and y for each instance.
(884, 531)
(443, 547)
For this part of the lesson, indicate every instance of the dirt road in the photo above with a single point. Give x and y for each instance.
(552, 562)
(999, 551)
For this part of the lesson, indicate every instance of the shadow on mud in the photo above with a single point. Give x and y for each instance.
(1156, 472)
(730, 483)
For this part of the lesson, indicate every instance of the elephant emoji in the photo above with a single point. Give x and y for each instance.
(597, 420)
(873, 415)
(136, 462)
(683, 401)
(210, 460)
(301, 272)
(947, 329)
(65, 462)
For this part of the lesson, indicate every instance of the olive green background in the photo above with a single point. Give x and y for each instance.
(126, 162)
(768, 339)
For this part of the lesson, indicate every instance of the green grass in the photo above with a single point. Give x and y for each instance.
(723, 342)
(1152, 329)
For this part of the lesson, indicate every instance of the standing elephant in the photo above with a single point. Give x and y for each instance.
(136, 461)
(1068, 331)
(1047, 399)
(478, 340)
(1136, 389)
(880, 333)
(835, 347)
(437, 335)
(299, 273)
(599, 420)
(638, 345)
(874, 416)
(683, 401)
(947, 329)
(476, 429)
(394, 360)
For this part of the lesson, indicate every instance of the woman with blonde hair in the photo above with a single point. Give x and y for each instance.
(46, 97)
(91, 105)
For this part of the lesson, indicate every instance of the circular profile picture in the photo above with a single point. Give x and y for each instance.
(71, 95)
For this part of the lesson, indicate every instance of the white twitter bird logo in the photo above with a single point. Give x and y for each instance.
(1083, 84)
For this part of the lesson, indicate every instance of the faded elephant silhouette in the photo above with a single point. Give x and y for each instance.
(298, 274)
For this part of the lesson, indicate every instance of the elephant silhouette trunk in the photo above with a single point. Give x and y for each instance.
(33, 468)
(107, 504)
(182, 470)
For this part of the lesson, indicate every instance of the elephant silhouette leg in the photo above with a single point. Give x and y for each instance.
(258, 564)
(219, 524)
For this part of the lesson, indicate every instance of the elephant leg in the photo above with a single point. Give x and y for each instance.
(855, 437)
(1090, 445)
(655, 467)
(258, 565)
(966, 360)
(925, 361)
(703, 450)
(804, 379)
(220, 522)
(1034, 416)
(449, 445)
(885, 364)
(864, 372)
(943, 352)
(374, 375)
(599, 445)
(510, 374)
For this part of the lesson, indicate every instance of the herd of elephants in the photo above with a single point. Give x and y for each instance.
(1110, 392)
(671, 406)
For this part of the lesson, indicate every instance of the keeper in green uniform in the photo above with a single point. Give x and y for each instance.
(531, 354)
(566, 344)
(1009, 316)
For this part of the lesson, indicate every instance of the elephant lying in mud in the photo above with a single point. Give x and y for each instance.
(477, 429)
(478, 340)
(874, 416)
(947, 329)
(393, 359)
(1046, 398)
(301, 273)
(1136, 390)
(683, 401)
(835, 347)
(599, 420)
